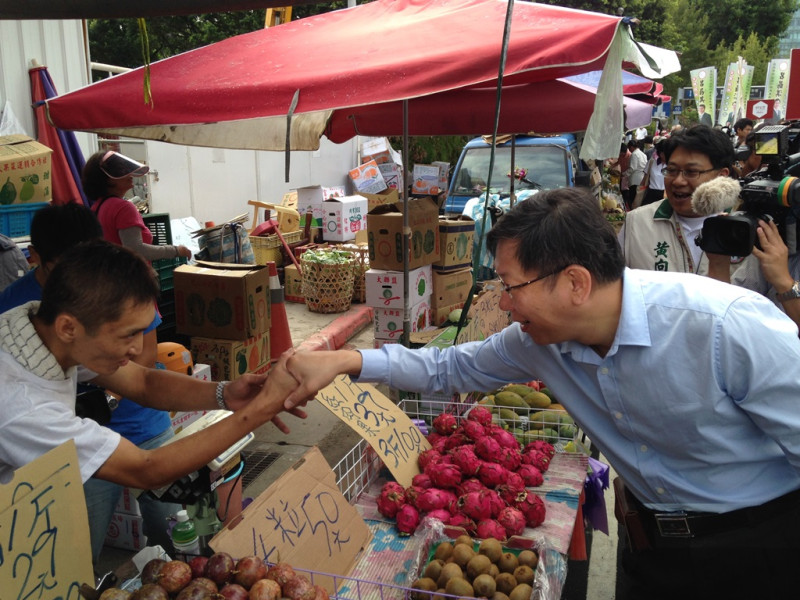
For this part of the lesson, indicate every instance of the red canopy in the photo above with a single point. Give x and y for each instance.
(237, 93)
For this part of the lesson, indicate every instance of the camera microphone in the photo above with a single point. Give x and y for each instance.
(716, 195)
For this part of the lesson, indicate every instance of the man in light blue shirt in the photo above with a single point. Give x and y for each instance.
(687, 385)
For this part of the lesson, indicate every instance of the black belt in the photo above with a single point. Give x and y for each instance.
(695, 524)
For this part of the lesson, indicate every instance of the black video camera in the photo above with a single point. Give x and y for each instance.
(772, 193)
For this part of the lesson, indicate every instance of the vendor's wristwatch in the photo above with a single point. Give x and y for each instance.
(220, 395)
(790, 294)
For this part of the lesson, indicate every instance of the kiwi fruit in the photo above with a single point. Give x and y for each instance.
(458, 586)
(421, 587)
(462, 554)
(449, 571)
(505, 583)
(443, 551)
(508, 562)
(484, 586)
(528, 557)
(491, 548)
(463, 539)
(499, 596)
(478, 565)
(433, 569)
(493, 570)
(522, 592)
(524, 574)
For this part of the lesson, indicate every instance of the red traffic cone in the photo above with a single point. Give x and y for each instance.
(280, 338)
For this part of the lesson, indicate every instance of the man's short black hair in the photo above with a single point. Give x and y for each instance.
(561, 227)
(742, 123)
(705, 140)
(95, 282)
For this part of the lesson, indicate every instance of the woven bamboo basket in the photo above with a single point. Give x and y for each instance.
(360, 268)
(327, 288)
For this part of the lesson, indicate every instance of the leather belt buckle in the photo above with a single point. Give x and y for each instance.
(673, 525)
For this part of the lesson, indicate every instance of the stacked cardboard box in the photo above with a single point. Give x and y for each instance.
(225, 308)
(450, 290)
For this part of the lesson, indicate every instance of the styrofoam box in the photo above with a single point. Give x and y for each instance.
(385, 288)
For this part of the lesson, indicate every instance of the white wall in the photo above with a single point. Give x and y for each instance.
(206, 183)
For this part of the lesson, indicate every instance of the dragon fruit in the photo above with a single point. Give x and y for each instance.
(533, 508)
(470, 485)
(510, 458)
(445, 424)
(538, 459)
(531, 475)
(407, 519)
(392, 486)
(390, 502)
(432, 437)
(422, 480)
(456, 440)
(487, 448)
(439, 513)
(481, 414)
(492, 474)
(512, 520)
(432, 499)
(476, 505)
(428, 456)
(505, 438)
(462, 520)
(446, 459)
(511, 495)
(515, 481)
(474, 430)
(412, 494)
(440, 443)
(496, 501)
(489, 528)
(465, 458)
(542, 446)
(445, 476)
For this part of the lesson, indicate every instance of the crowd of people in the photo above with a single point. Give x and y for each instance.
(682, 378)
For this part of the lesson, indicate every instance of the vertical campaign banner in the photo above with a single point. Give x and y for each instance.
(729, 106)
(777, 85)
(745, 83)
(704, 86)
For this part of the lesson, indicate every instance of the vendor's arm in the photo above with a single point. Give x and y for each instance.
(132, 466)
(131, 237)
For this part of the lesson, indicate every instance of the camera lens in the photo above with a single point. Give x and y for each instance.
(789, 192)
(738, 234)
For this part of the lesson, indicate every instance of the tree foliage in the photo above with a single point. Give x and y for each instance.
(733, 19)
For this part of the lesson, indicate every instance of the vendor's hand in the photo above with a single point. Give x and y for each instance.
(242, 390)
(316, 370)
(278, 385)
(184, 252)
(773, 256)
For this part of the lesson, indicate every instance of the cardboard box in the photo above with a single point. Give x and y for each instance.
(45, 537)
(385, 234)
(218, 300)
(456, 235)
(343, 217)
(181, 419)
(385, 288)
(367, 178)
(301, 519)
(425, 180)
(389, 196)
(127, 503)
(126, 532)
(311, 198)
(230, 359)
(293, 284)
(379, 150)
(388, 322)
(392, 174)
(25, 167)
(439, 314)
(451, 288)
(444, 174)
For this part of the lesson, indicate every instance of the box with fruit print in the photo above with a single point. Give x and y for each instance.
(230, 359)
(24, 170)
(389, 321)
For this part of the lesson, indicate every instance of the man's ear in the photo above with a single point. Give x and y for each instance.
(580, 281)
(66, 327)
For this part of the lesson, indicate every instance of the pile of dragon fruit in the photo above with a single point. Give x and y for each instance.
(474, 477)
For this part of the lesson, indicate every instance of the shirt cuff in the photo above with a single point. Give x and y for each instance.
(374, 366)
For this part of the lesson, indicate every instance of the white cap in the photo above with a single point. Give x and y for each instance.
(182, 515)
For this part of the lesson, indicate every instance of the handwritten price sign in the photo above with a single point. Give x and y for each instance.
(44, 530)
(378, 420)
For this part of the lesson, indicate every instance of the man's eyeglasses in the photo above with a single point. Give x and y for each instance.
(672, 172)
(509, 288)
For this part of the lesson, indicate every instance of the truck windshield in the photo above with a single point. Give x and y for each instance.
(545, 168)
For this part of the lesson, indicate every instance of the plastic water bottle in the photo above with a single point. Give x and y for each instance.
(184, 536)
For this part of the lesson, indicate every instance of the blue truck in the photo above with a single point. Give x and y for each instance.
(548, 162)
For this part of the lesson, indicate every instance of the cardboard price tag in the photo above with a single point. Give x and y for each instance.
(302, 519)
(44, 529)
(378, 420)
